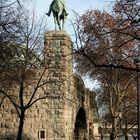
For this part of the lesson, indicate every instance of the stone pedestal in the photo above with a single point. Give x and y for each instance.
(58, 59)
(58, 52)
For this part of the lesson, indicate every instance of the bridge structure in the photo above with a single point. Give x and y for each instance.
(70, 112)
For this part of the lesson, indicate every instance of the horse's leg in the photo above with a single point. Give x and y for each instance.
(63, 23)
(55, 21)
(58, 20)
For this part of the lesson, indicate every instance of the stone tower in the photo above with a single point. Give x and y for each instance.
(58, 58)
(69, 105)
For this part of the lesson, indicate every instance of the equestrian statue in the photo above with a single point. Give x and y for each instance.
(58, 9)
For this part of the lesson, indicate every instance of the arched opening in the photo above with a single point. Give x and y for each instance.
(80, 131)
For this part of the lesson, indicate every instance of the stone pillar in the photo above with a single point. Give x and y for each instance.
(58, 52)
(58, 59)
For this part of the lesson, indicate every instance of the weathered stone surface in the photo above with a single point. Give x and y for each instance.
(55, 117)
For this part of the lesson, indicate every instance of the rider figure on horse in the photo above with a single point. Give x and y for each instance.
(50, 9)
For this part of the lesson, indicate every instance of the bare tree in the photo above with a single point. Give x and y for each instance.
(105, 46)
(22, 61)
(117, 96)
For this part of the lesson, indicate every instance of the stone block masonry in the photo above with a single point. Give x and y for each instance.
(53, 118)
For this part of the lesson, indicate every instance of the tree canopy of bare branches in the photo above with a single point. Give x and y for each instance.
(107, 48)
(102, 36)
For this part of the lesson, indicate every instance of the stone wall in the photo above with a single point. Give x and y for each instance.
(52, 118)
(58, 49)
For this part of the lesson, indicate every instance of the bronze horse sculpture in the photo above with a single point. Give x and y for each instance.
(57, 7)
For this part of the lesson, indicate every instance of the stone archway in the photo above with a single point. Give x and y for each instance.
(80, 130)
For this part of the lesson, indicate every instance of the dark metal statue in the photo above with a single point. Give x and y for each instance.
(58, 9)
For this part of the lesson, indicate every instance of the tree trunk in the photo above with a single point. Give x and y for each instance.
(111, 136)
(112, 131)
(21, 123)
(135, 137)
(126, 137)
